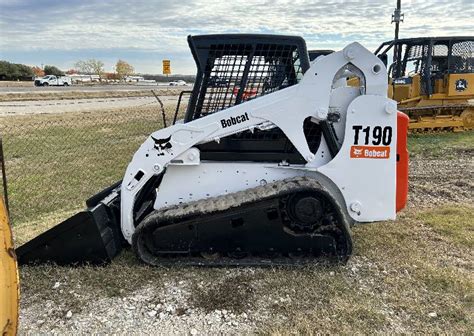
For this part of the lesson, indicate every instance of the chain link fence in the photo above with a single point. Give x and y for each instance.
(54, 162)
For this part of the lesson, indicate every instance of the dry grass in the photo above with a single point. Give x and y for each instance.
(447, 144)
(55, 162)
(405, 277)
(16, 84)
(78, 285)
(412, 275)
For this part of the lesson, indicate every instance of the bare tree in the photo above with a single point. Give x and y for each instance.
(83, 67)
(90, 67)
(97, 67)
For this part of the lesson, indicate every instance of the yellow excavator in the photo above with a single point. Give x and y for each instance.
(432, 79)
(9, 283)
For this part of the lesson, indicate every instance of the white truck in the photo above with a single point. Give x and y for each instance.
(53, 80)
(179, 82)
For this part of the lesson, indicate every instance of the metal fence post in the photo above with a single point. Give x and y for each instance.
(4, 175)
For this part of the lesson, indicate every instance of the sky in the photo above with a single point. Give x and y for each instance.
(143, 33)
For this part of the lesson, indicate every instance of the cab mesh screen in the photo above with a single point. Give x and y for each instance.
(235, 73)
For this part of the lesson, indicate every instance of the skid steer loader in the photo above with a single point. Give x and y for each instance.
(432, 79)
(275, 160)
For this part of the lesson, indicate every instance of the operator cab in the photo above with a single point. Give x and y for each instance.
(429, 65)
(235, 68)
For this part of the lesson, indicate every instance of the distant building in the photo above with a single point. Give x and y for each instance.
(77, 78)
(134, 78)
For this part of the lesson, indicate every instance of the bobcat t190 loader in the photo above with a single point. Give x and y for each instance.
(275, 160)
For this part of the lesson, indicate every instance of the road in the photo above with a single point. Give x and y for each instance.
(78, 105)
(92, 88)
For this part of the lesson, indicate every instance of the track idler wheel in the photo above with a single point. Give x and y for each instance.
(305, 211)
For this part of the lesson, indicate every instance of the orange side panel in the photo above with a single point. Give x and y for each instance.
(402, 160)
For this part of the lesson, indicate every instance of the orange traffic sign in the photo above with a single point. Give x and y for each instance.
(166, 67)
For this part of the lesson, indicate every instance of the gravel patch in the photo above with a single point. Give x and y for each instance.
(165, 310)
(440, 180)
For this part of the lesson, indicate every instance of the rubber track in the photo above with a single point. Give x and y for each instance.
(223, 203)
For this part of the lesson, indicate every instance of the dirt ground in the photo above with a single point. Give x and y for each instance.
(412, 275)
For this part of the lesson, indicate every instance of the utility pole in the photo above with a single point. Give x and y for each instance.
(397, 17)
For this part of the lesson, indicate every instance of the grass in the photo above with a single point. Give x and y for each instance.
(412, 275)
(447, 144)
(54, 163)
(453, 223)
(76, 284)
(405, 277)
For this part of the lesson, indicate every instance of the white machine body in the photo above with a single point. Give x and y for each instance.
(364, 169)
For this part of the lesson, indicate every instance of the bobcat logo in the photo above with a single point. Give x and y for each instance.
(162, 145)
(357, 152)
(461, 85)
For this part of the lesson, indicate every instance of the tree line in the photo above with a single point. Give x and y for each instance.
(14, 71)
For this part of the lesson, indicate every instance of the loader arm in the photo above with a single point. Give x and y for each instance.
(286, 109)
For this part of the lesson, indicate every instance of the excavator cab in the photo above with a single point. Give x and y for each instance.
(432, 79)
